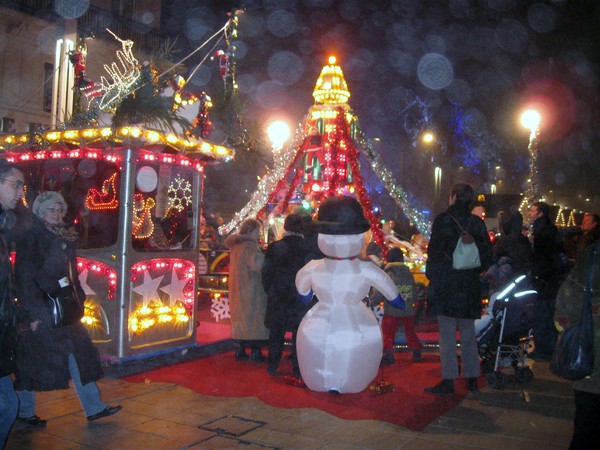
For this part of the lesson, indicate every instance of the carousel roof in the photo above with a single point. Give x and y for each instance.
(110, 141)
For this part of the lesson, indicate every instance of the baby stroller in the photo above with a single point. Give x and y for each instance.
(506, 339)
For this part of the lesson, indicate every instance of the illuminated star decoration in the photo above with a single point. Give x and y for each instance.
(175, 289)
(148, 289)
(179, 194)
(83, 282)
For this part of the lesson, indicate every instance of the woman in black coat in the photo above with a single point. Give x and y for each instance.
(455, 295)
(48, 357)
(283, 260)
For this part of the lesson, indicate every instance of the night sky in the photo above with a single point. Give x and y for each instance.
(464, 69)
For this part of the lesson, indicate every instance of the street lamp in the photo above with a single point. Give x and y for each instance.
(278, 132)
(531, 120)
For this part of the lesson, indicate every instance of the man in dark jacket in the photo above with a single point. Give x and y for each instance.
(455, 295)
(546, 279)
(283, 260)
(11, 191)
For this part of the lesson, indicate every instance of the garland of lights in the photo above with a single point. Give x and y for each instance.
(267, 184)
(340, 133)
(283, 205)
(532, 185)
(395, 190)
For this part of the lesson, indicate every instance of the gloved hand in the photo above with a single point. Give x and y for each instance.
(305, 299)
(397, 302)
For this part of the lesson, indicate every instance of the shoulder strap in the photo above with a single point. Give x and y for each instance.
(458, 223)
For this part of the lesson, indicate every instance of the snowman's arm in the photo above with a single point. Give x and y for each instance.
(304, 282)
(384, 284)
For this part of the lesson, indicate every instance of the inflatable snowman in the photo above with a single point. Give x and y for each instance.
(339, 343)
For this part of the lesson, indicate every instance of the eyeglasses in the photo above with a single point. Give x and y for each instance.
(57, 210)
(18, 184)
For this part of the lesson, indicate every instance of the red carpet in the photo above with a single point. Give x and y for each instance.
(407, 405)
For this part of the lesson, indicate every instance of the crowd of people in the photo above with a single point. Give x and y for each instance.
(35, 356)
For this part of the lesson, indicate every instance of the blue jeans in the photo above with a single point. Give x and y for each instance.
(9, 405)
(89, 395)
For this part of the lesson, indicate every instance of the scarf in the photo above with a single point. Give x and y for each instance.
(61, 230)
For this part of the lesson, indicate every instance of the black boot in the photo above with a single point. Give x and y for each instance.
(472, 384)
(445, 387)
(240, 354)
(388, 358)
(256, 355)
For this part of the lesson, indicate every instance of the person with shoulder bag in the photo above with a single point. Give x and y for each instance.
(454, 294)
(51, 351)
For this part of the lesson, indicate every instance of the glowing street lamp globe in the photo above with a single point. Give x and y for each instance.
(278, 132)
(531, 119)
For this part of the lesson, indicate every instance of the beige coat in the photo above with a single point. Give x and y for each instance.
(247, 298)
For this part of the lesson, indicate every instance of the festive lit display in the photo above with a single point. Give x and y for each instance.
(142, 224)
(324, 151)
(154, 311)
(106, 143)
(219, 307)
(331, 87)
(395, 190)
(106, 199)
(121, 80)
(267, 184)
(98, 281)
(179, 194)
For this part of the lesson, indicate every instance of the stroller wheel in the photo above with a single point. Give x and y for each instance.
(523, 374)
(496, 380)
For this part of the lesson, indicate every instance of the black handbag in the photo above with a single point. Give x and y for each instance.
(65, 305)
(573, 358)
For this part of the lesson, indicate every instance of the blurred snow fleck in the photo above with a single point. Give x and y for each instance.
(285, 67)
(271, 95)
(511, 36)
(282, 23)
(435, 71)
(541, 18)
(71, 9)
(459, 92)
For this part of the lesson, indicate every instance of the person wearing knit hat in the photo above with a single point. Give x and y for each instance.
(48, 357)
(47, 200)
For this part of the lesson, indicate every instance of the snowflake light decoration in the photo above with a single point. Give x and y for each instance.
(179, 194)
(219, 308)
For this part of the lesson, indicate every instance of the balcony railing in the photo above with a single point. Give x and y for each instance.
(94, 20)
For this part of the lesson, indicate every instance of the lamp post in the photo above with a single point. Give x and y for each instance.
(531, 120)
(430, 139)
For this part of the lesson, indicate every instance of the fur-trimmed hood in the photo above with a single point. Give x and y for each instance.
(236, 239)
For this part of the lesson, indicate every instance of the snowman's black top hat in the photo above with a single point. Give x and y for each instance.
(341, 215)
